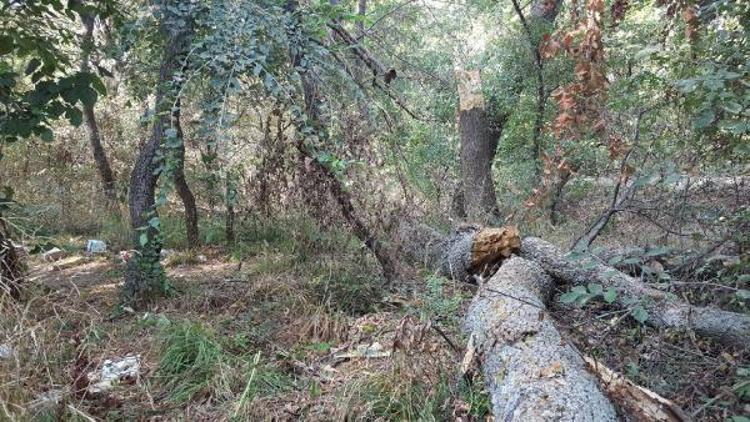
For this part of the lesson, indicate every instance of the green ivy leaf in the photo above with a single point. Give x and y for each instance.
(610, 295)
(74, 116)
(46, 134)
(732, 107)
(574, 295)
(88, 96)
(143, 239)
(704, 119)
(595, 289)
(640, 314)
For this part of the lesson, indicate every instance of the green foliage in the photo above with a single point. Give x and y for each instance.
(190, 359)
(347, 287)
(476, 397)
(390, 398)
(580, 295)
(440, 302)
(742, 386)
(38, 81)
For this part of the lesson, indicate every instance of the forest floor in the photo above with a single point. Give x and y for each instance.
(281, 335)
(255, 341)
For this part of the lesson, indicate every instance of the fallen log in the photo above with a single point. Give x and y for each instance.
(639, 402)
(467, 251)
(664, 309)
(531, 372)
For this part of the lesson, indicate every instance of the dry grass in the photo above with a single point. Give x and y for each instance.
(256, 337)
(238, 342)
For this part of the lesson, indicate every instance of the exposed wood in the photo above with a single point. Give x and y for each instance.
(467, 251)
(640, 403)
(531, 372)
(664, 310)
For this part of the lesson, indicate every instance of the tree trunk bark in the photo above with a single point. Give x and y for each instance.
(664, 310)
(479, 138)
(471, 251)
(109, 187)
(466, 252)
(230, 198)
(144, 276)
(532, 373)
(183, 190)
(343, 197)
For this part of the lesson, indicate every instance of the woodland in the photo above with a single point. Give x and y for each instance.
(381, 210)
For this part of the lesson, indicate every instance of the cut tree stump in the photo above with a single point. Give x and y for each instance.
(531, 373)
(467, 251)
(664, 309)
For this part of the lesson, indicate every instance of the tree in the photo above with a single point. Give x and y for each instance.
(181, 185)
(92, 128)
(313, 116)
(144, 277)
(479, 138)
(481, 124)
(38, 86)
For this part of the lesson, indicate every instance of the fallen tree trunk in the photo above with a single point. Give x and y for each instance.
(467, 251)
(664, 310)
(531, 372)
(639, 402)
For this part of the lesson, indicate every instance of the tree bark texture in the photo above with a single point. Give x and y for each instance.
(664, 310)
(467, 251)
(109, 188)
(479, 138)
(531, 372)
(183, 190)
(144, 275)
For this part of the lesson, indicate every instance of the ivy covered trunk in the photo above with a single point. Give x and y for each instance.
(144, 276)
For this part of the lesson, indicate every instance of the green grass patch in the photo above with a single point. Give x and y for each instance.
(190, 359)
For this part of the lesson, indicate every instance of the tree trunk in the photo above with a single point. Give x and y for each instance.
(361, 12)
(664, 310)
(470, 251)
(183, 190)
(466, 252)
(342, 196)
(109, 187)
(479, 138)
(11, 267)
(532, 373)
(230, 199)
(144, 276)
